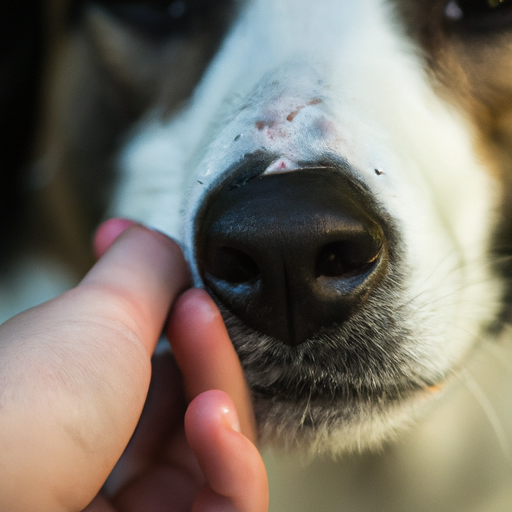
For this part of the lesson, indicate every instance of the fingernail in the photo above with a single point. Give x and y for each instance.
(107, 232)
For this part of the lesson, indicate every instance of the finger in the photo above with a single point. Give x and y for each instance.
(235, 473)
(99, 504)
(209, 501)
(162, 489)
(107, 233)
(137, 280)
(162, 415)
(205, 354)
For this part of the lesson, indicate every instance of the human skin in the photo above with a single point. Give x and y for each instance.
(74, 377)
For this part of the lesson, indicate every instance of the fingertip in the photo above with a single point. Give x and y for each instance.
(192, 305)
(211, 407)
(107, 232)
(231, 463)
(138, 277)
(205, 354)
(142, 236)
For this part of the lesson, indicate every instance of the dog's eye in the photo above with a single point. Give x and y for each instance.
(479, 15)
(160, 18)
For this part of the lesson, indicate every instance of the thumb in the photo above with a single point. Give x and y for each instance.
(141, 274)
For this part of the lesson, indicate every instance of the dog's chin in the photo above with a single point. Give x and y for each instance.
(350, 387)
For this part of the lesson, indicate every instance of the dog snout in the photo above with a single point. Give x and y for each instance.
(292, 254)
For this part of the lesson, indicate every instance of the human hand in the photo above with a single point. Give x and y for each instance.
(74, 373)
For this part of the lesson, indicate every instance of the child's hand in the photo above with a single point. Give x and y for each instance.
(74, 373)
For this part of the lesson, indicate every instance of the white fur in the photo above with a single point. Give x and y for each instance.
(377, 111)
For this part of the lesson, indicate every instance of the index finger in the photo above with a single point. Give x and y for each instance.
(206, 356)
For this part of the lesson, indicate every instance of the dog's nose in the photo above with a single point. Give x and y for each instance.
(292, 254)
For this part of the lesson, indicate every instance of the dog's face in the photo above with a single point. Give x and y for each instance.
(334, 169)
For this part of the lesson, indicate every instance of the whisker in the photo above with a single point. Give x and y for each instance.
(307, 410)
(490, 413)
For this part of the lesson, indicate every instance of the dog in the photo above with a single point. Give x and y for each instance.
(338, 174)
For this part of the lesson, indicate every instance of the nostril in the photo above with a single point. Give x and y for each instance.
(231, 265)
(347, 258)
(292, 254)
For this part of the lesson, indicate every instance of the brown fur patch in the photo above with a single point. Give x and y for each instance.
(473, 70)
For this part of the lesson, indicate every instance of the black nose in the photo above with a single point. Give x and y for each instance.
(291, 254)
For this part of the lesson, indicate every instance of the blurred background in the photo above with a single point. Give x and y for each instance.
(22, 51)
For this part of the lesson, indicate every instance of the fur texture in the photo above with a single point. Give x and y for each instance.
(149, 115)
(309, 83)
